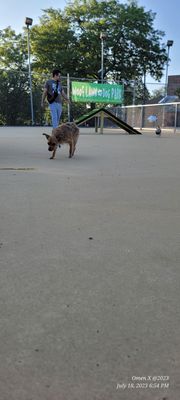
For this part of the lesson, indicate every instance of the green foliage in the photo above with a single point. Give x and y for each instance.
(13, 50)
(177, 92)
(54, 44)
(135, 93)
(14, 99)
(132, 46)
(158, 93)
(14, 81)
(70, 40)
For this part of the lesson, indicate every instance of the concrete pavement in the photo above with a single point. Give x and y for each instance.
(89, 267)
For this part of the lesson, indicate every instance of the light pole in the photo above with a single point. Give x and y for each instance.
(28, 22)
(169, 44)
(102, 37)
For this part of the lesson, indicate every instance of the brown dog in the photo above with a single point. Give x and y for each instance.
(65, 133)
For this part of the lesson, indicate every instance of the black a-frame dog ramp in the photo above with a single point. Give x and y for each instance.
(108, 114)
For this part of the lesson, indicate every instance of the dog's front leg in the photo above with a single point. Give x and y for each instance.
(70, 149)
(53, 154)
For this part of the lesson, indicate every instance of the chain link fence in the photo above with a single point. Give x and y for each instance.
(15, 100)
(150, 115)
(15, 105)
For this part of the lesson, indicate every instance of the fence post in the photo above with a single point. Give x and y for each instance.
(134, 98)
(68, 95)
(175, 118)
(142, 116)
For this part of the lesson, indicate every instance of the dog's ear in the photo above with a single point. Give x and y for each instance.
(47, 136)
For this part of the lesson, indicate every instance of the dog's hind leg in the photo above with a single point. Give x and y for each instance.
(71, 149)
(74, 147)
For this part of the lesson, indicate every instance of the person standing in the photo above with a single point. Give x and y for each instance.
(54, 92)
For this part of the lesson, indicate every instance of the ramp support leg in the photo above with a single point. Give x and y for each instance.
(102, 122)
(96, 124)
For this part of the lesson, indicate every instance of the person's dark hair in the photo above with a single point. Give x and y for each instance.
(56, 72)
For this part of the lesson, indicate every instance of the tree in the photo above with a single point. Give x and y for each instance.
(157, 94)
(132, 48)
(177, 92)
(14, 81)
(135, 93)
(14, 100)
(54, 44)
(13, 50)
(70, 39)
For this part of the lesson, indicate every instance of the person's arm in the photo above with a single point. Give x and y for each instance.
(43, 97)
(65, 96)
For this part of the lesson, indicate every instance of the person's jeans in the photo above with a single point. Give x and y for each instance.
(56, 110)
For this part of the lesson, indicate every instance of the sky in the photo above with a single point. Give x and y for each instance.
(13, 14)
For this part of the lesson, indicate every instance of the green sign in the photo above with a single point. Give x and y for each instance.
(97, 93)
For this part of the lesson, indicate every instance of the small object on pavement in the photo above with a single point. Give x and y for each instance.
(158, 130)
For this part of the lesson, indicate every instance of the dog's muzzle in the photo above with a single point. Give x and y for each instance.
(51, 148)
